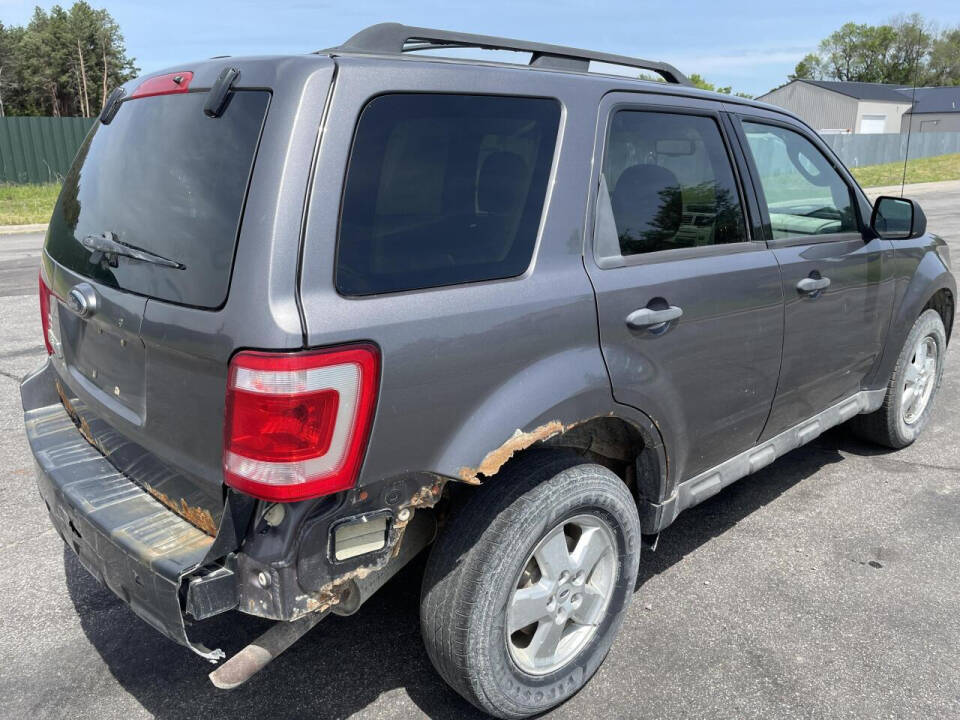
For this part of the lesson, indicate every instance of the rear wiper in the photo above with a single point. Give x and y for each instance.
(106, 247)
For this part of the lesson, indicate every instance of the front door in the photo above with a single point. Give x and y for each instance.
(689, 305)
(837, 302)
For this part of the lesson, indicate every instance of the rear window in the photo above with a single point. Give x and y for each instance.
(164, 178)
(444, 189)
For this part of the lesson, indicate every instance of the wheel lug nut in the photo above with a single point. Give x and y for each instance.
(564, 576)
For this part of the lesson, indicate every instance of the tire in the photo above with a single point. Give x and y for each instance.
(485, 551)
(899, 422)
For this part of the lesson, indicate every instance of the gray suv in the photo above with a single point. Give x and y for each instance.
(307, 316)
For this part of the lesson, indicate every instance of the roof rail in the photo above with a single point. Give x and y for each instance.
(394, 38)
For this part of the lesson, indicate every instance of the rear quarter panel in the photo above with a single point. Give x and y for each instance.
(464, 367)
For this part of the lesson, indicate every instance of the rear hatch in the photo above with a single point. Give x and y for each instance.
(150, 213)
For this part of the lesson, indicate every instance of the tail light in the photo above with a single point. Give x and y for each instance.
(297, 424)
(45, 314)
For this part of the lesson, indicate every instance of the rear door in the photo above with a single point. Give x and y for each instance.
(837, 300)
(141, 251)
(689, 299)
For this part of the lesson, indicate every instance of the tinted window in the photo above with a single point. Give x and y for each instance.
(804, 194)
(165, 178)
(667, 184)
(443, 189)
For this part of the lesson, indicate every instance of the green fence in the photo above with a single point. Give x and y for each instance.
(39, 149)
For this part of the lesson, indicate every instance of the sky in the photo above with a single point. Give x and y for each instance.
(750, 45)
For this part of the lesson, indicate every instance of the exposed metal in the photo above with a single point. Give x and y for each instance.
(520, 440)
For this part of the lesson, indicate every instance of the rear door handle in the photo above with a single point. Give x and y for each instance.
(811, 285)
(652, 319)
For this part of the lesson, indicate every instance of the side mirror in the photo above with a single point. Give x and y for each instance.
(897, 218)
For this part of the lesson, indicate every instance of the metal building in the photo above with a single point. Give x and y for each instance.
(937, 109)
(833, 106)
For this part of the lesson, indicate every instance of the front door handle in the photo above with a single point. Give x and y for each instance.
(652, 319)
(811, 285)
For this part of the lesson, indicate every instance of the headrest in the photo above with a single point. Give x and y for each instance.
(647, 204)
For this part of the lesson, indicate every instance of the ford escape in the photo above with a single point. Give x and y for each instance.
(307, 316)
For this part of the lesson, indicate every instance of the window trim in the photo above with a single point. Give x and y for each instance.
(672, 254)
(544, 209)
(794, 240)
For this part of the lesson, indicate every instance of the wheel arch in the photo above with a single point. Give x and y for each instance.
(625, 441)
(943, 302)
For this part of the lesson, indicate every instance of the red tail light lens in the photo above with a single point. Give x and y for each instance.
(45, 314)
(169, 84)
(297, 424)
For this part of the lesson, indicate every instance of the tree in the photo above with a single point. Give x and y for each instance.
(905, 50)
(943, 68)
(6, 62)
(64, 62)
(810, 68)
(701, 82)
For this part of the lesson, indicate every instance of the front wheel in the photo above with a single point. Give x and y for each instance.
(527, 584)
(916, 378)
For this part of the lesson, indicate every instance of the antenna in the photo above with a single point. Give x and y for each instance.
(913, 104)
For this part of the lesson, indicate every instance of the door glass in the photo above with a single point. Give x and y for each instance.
(804, 194)
(667, 183)
(444, 189)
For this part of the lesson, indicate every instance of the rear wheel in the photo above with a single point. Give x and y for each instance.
(910, 393)
(527, 584)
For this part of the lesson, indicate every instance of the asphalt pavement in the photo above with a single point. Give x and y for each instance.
(825, 586)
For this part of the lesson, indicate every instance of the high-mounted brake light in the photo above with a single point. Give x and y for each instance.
(297, 423)
(169, 84)
(45, 313)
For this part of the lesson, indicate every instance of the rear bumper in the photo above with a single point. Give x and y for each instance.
(123, 536)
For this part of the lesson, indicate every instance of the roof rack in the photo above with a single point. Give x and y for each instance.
(394, 38)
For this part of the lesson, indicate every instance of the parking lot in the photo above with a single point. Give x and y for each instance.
(826, 585)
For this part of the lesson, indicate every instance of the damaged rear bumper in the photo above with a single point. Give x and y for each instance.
(123, 536)
(328, 554)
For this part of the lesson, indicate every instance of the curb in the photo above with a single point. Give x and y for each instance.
(15, 229)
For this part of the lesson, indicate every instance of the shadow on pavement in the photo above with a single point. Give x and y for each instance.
(348, 663)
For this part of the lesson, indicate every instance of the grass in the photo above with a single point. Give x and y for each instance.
(27, 204)
(919, 170)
